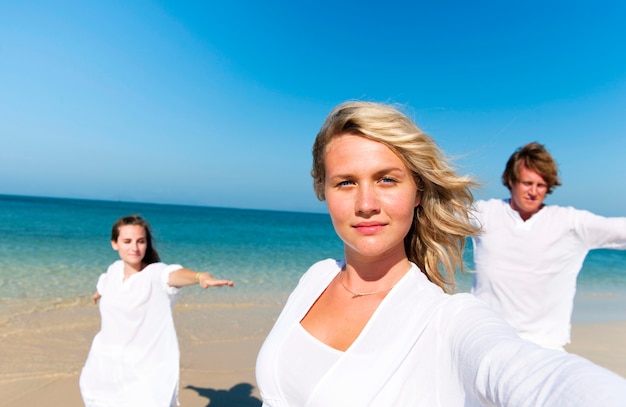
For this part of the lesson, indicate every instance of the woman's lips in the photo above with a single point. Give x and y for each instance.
(369, 228)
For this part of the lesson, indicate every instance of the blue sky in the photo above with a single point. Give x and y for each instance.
(218, 103)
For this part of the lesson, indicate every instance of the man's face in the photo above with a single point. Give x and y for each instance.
(528, 193)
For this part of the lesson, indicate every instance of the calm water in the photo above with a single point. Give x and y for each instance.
(54, 249)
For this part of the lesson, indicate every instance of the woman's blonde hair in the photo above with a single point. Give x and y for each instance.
(441, 222)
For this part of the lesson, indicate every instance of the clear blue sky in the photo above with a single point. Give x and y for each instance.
(217, 103)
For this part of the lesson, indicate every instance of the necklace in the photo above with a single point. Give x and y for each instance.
(359, 294)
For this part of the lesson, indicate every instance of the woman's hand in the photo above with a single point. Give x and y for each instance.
(206, 280)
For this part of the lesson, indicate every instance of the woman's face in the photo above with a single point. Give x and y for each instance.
(371, 196)
(131, 244)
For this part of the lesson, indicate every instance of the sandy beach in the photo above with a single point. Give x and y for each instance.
(42, 352)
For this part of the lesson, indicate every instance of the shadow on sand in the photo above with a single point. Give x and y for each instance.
(240, 395)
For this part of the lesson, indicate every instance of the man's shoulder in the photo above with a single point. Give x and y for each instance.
(492, 203)
(503, 203)
(559, 209)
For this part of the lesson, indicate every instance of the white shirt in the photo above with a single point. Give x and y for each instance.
(134, 359)
(303, 349)
(422, 347)
(527, 271)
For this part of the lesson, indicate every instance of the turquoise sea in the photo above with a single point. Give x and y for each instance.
(52, 251)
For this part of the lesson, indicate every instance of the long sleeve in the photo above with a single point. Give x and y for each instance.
(599, 232)
(501, 369)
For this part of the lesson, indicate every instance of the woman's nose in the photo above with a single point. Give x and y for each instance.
(367, 200)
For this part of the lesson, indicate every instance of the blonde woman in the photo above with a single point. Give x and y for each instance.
(378, 328)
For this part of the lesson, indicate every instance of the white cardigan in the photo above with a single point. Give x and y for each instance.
(423, 347)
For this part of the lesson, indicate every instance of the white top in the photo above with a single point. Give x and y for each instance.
(527, 271)
(303, 349)
(134, 359)
(422, 347)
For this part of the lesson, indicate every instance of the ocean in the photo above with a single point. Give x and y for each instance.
(52, 251)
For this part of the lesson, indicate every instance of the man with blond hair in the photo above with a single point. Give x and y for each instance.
(529, 253)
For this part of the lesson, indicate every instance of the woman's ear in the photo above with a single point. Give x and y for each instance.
(114, 245)
(418, 198)
(420, 189)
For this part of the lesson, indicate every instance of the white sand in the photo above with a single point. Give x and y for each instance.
(42, 353)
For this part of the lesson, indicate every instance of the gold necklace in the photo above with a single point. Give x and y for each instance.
(359, 294)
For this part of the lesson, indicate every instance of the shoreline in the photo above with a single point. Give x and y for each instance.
(43, 352)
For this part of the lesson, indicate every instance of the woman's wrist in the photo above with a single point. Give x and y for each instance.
(198, 277)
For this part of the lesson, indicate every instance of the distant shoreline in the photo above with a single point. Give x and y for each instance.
(15, 197)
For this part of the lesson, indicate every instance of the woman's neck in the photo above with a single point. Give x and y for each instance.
(382, 269)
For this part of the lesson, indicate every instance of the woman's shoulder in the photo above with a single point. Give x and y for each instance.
(327, 265)
(468, 312)
(161, 269)
(449, 304)
(116, 266)
(467, 300)
(159, 266)
(155, 266)
(320, 272)
(322, 268)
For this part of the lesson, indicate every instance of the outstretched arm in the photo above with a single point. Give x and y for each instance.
(184, 277)
(502, 369)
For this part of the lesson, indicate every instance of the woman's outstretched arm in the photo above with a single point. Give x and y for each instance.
(185, 277)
